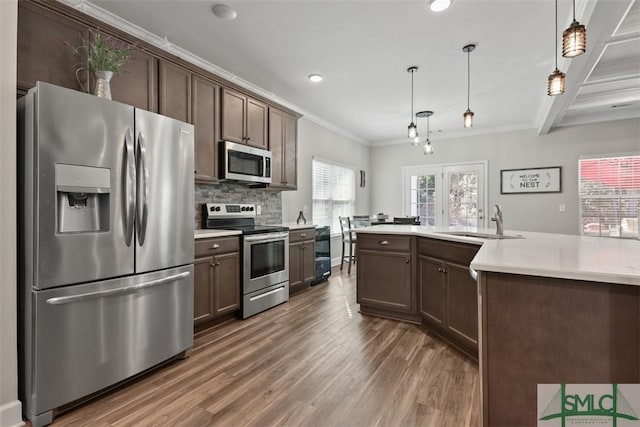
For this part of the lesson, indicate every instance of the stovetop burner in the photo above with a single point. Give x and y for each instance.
(239, 217)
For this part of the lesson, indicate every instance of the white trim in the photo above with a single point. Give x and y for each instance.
(11, 414)
(164, 44)
(331, 162)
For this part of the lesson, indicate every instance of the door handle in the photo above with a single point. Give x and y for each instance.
(143, 177)
(129, 181)
(118, 291)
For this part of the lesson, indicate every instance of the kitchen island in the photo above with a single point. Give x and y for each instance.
(550, 308)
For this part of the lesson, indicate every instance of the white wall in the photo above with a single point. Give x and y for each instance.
(317, 141)
(10, 409)
(510, 150)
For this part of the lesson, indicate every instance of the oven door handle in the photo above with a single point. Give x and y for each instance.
(271, 237)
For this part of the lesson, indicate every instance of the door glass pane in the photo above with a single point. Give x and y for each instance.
(423, 198)
(463, 199)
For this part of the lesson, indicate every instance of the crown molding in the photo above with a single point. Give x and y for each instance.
(163, 43)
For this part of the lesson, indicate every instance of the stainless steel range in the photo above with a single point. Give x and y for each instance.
(265, 255)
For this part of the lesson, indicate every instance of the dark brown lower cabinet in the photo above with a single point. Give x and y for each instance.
(384, 284)
(448, 295)
(302, 259)
(216, 279)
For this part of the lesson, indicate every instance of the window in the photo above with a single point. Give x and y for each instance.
(609, 191)
(333, 193)
(451, 195)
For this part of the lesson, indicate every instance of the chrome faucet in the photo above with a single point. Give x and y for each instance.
(497, 217)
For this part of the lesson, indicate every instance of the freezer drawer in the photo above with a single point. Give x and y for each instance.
(88, 337)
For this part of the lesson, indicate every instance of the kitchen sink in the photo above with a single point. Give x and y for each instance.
(480, 235)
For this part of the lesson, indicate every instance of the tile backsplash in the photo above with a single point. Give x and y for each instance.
(232, 192)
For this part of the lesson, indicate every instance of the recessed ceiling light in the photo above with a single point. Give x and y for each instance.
(316, 78)
(439, 5)
(224, 12)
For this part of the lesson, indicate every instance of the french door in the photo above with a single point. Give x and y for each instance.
(446, 195)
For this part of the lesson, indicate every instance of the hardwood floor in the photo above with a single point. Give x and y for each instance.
(314, 361)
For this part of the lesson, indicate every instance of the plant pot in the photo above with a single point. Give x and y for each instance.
(103, 84)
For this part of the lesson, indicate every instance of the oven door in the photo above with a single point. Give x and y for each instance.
(266, 260)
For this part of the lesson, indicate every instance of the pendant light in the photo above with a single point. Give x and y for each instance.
(574, 38)
(556, 80)
(413, 129)
(428, 148)
(468, 115)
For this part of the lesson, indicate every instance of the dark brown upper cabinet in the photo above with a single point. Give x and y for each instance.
(283, 145)
(244, 119)
(137, 84)
(43, 54)
(205, 111)
(175, 91)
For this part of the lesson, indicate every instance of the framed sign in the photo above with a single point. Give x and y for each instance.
(532, 180)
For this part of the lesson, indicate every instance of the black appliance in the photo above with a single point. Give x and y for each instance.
(323, 254)
(265, 255)
(410, 220)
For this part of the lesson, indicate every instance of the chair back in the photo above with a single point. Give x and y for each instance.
(345, 227)
(361, 221)
(410, 220)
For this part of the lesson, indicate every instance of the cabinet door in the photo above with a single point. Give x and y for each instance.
(233, 116)
(137, 84)
(295, 267)
(203, 307)
(256, 131)
(308, 261)
(431, 281)
(42, 52)
(384, 280)
(290, 151)
(175, 92)
(205, 112)
(226, 283)
(462, 303)
(276, 146)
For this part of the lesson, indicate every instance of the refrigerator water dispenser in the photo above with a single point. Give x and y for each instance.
(83, 198)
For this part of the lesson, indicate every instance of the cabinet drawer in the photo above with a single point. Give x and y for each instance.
(215, 246)
(460, 253)
(384, 242)
(302, 234)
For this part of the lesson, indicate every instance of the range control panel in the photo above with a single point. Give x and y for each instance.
(223, 210)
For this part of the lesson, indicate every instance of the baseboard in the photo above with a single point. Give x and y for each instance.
(11, 414)
(335, 261)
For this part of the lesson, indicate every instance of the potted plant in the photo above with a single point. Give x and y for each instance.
(107, 56)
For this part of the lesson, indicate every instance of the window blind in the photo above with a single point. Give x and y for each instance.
(333, 193)
(609, 192)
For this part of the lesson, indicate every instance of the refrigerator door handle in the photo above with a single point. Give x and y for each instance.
(118, 291)
(128, 184)
(143, 177)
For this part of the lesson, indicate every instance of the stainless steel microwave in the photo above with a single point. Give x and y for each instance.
(240, 162)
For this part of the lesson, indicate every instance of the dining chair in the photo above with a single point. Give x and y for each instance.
(348, 238)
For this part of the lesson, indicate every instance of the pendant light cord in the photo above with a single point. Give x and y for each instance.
(412, 71)
(428, 129)
(574, 10)
(556, 34)
(468, 77)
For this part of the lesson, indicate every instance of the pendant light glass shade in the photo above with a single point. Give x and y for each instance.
(428, 148)
(468, 118)
(555, 84)
(574, 40)
(556, 80)
(412, 128)
(416, 140)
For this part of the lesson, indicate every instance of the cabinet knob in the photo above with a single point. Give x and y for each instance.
(303, 234)
(441, 270)
(407, 261)
(215, 246)
(383, 242)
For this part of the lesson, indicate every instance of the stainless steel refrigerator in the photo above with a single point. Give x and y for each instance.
(106, 203)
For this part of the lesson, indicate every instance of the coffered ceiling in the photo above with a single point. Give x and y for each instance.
(363, 48)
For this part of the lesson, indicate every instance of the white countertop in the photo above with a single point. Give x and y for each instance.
(203, 234)
(542, 254)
